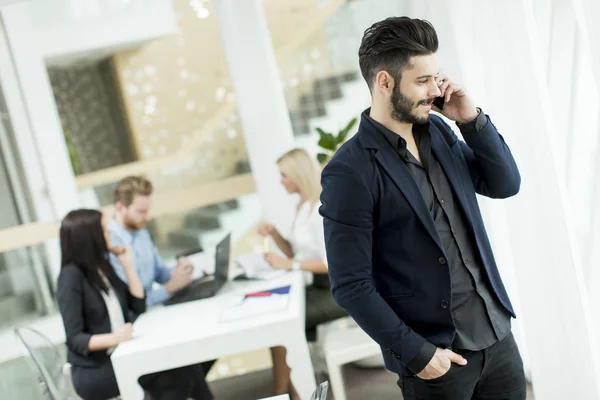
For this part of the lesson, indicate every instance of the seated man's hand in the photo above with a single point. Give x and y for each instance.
(180, 278)
(184, 263)
(440, 364)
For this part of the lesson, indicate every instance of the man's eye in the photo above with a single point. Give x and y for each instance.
(423, 82)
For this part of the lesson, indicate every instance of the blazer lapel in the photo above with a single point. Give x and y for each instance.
(397, 170)
(442, 152)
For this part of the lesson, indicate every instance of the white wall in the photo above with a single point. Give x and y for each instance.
(71, 30)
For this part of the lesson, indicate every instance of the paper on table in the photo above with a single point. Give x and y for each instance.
(257, 304)
(203, 264)
(256, 267)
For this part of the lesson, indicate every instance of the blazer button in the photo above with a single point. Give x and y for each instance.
(444, 304)
(442, 260)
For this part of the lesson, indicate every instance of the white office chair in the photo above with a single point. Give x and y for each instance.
(47, 362)
(346, 346)
(321, 392)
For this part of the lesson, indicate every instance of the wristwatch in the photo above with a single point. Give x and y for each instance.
(296, 266)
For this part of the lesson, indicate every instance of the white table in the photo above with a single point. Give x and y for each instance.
(189, 333)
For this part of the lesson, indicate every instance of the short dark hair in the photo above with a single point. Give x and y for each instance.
(389, 44)
(82, 244)
(129, 187)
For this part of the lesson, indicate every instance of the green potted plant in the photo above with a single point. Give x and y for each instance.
(330, 142)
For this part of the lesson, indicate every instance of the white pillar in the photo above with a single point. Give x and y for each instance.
(36, 123)
(260, 99)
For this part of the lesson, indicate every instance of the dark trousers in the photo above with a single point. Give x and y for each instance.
(495, 373)
(179, 383)
(100, 383)
(320, 308)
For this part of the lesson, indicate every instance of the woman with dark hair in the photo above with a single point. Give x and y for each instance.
(97, 309)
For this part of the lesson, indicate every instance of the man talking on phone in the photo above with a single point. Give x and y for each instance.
(409, 257)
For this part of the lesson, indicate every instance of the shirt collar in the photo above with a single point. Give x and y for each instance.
(397, 142)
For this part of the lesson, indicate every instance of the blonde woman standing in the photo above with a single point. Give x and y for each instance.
(304, 250)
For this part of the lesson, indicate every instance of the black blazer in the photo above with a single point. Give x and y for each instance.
(84, 312)
(387, 264)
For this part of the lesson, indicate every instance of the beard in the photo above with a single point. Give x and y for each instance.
(132, 225)
(403, 109)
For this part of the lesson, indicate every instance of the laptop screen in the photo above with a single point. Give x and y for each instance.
(222, 254)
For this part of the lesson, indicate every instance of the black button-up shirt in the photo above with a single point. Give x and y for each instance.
(479, 318)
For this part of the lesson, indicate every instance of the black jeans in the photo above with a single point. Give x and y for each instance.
(495, 373)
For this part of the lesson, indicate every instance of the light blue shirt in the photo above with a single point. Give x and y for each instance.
(149, 266)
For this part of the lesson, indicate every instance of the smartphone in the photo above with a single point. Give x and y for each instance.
(439, 102)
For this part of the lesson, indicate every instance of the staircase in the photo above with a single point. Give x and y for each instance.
(313, 105)
(207, 226)
(331, 104)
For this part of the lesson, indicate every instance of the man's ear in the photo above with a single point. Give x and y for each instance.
(384, 82)
(119, 206)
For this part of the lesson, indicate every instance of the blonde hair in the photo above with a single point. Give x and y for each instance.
(299, 166)
(129, 187)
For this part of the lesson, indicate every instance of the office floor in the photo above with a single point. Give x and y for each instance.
(361, 383)
(18, 382)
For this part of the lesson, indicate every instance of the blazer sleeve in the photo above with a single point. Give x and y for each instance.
(70, 303)
(492, 167)
(347, 210)
(135, 304)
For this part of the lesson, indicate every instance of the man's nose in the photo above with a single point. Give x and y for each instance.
(434, 90)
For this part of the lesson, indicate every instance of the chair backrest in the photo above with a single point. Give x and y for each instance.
(47, 361)
(321, 392)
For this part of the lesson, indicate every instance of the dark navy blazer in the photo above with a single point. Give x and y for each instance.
(387, 264)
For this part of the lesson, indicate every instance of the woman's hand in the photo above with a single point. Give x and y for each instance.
(123, 334)
(123, 253)
(277, 261)
(265, 229)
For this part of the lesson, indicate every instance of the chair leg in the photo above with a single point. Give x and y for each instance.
(336, 380)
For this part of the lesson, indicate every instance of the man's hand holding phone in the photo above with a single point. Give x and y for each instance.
(455, 103)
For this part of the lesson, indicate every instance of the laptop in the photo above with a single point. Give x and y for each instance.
(207, 286)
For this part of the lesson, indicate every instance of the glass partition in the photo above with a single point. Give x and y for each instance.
(27, 284)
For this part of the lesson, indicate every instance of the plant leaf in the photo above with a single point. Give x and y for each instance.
(328, 142)
(322, 132)
(344, 132)
(322, 157)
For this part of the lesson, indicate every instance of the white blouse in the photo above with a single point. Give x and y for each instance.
(113, 306)
(307, 237)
